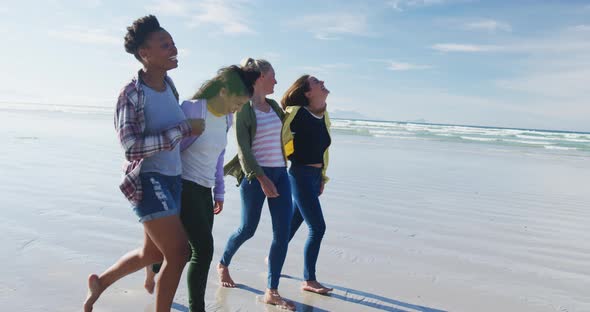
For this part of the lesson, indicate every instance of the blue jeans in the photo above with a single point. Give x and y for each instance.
(305, 185)
(280, 210)
(161, 196)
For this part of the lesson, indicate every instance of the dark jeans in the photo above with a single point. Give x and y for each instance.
(305, 185)
(197, 217)
(280, 211)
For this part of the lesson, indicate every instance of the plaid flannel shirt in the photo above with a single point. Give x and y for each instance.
(130, 126)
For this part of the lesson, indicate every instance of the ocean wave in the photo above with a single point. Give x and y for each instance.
(528, 142)
(478, 139)
(60, 108)
(561, 148)
(551, 140)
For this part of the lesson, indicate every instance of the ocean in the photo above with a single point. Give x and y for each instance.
(566, 141)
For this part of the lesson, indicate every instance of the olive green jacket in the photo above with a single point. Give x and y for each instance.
(244, 165)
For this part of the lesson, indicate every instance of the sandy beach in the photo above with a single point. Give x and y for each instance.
(412, 225)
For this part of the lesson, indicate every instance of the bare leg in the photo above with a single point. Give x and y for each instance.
(150, 279)
(168, 235)
(140, 258)
(316, 287)
(224, 279)
(94, 291)
(271, 296)
(129, 263)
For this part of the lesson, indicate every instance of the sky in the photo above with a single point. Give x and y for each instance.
(523, 64)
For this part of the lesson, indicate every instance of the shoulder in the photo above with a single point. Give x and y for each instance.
(292, 110)
(169, 80)
(272, 102)
(276, 107)
(194, 108)
(130, 92)
(245, 111)
(291, 113)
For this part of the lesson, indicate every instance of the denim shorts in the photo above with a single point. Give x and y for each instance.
(161, 196)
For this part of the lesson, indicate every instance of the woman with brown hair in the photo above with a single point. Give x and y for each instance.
(307, 129)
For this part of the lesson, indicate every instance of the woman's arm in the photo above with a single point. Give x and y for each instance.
(136, 144)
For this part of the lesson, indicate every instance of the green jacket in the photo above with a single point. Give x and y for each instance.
(287, 137)
(244, 165)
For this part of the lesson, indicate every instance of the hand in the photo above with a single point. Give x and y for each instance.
(218, 207)
(322, 188)
(268, 187)
(197, 125)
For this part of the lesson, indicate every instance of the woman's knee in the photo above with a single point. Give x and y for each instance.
(151, 255)
(206, 252)
(318, 229)
(246, 232)
(178, 253)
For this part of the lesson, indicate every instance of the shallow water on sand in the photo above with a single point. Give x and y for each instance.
(412, 225)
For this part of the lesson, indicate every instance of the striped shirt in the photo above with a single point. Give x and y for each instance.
(266, 145)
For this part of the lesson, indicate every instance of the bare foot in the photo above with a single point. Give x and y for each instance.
(271, 296)
(94, 291)
(150, 279)
(224, 278)
(314, 286)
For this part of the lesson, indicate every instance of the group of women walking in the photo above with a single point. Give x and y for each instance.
(174, 176)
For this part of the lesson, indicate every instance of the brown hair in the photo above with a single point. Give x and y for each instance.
(235, 80)
(295, 95)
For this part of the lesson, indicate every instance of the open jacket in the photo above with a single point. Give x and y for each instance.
(244, 165)
(287, 136)
(130, 126)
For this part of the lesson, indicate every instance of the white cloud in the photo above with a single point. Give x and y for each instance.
(488, 25)
(564, 83)
(556, 75)
(330, 26)
(402, 66)
(88, 36)
(401, 5)
(457, 47)
(581, 28)
(325, 68)
(227, 15)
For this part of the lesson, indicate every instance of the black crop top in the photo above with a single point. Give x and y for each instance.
(310, 138)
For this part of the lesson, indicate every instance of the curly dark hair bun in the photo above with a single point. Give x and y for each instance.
(138, 32)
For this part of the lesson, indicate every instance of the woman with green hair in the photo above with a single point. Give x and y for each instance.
(202, 171)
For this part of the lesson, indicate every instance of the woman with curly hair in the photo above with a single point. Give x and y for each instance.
(150, 126)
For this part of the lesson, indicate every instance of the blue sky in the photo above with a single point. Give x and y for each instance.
(494, 63)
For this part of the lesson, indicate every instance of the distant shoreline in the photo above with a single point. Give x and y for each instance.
(109, 109)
